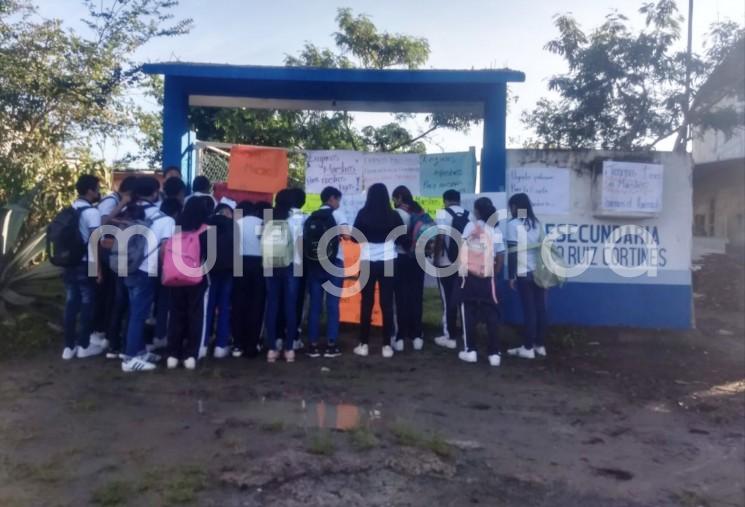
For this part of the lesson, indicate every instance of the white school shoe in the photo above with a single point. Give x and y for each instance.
(69, 353)
(190, 363)
(90, 351)
(468, 356)
(172, 363)
(136, 364)
(150, 357)
(98, 338)
(362, 350)
(298, 345)
(418, 344)
(522, 352)
(540, 351)
(399, 345)
(221, 352)
(387, 351)
(495, 359)
(445, 341)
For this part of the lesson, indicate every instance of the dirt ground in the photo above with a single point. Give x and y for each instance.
(613, 417)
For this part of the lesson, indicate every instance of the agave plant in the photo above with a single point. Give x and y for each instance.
(24, 274)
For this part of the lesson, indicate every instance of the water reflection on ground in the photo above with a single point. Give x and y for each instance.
(315, 414)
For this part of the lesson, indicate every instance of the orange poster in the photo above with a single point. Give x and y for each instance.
(350, 306)
(257, 169)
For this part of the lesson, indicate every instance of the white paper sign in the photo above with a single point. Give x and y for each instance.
(630, 187)
(392, 170)
(547, 187)
(340, 169)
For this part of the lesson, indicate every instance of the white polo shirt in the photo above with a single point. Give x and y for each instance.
(250, 229)
(90, 220)
(163, 227)
(296, 221)
(533, 236)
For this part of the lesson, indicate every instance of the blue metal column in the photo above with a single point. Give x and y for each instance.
(176, 136)
(494, 154)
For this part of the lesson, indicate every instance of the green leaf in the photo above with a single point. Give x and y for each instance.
(15, 299)
(12, 218)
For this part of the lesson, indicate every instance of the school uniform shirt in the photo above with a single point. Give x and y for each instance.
(199, 194)
(533, 235)
(296, 220)
(250, 227)
(107, 204)
(445, 219)
(163, 227)
(406, 219)
(341, 220)
(90, 219)
(377, 248)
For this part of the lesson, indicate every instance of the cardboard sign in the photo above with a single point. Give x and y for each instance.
(257, 169)
(350, 306)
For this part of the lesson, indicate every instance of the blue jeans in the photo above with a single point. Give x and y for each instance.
(221, 289)
(281, 290)
(533, 300)
(317, 276)
(79, 300)
(141, 291)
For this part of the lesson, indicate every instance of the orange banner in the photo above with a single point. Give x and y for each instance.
(350, 306)
(257, 169)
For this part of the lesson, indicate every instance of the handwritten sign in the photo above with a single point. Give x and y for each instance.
(630, 187)
(445, 171)
(340, 169)
(391, 169)
(257, 169)
(547, 187)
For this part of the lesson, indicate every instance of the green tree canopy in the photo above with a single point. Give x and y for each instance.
(625, 89)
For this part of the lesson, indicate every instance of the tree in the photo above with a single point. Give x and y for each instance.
(61, 91)
(359, 44)
(625, 90)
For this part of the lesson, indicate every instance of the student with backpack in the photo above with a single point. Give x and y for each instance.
(109, 208)
(327, 217)
(525, 226)
(141, 273)
(249, 290)
(67, 246)
(446, 253)
(296, 220)
(174, 188)
(188, 291)
(221, 282)
(201, 187)
(377, 221)
(409, 275)
(481, 260)
(277, 255)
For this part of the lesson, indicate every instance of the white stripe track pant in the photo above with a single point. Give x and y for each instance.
(473, 312)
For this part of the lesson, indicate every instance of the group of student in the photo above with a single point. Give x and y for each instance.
(227, 312)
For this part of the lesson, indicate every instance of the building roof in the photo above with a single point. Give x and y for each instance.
(392, 90)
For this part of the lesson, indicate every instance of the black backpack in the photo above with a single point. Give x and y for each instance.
(65, 246)
(460, 220)
(315, 227)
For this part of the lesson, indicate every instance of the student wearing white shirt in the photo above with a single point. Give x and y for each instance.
(297, 221)
(141, 285)
(532, 297)
(249, 290)
(79, 287)
(327, 217)
(201, 187)
(446, 252)
(477, 291)
(376, 221)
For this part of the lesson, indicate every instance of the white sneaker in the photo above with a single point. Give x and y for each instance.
(362, 350)
(150, 357)
(469, 357)
(540, 351)
(136, 364)
(237, 352)
(112, 354)
(418, 344)
(172, 363)
(522, 352)
(90, 351)
(298, 345)
(190, 363)
(98, 338)
(495, 360)
(388, 351)
(399, 345)
(221, 352)
(445, 341)
(69, 353)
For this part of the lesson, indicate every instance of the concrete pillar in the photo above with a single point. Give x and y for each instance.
(176, 136)
(494, 154)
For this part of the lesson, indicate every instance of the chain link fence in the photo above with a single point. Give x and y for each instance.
(212, 160)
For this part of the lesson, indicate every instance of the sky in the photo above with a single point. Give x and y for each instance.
(462, 35)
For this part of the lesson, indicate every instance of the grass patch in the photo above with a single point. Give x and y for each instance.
(273, 427)
(113, 494)
(362, 439)
(321, 445)
(183, 487)
(52, 471)
(407, 436)
(84, 406)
